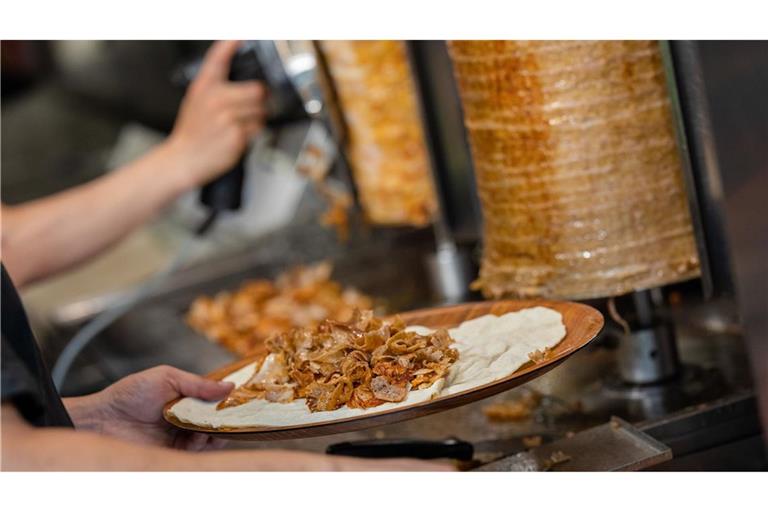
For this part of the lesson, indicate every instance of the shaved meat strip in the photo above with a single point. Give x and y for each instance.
(388, 391)
(361, 363)
(270, 381)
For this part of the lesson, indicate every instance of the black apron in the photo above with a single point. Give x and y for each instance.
(26, 382)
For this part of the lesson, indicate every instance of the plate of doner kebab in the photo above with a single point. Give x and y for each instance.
(369, 371)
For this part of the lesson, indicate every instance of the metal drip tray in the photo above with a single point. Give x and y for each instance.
(612, 446)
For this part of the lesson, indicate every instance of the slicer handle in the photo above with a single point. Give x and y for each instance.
(226, 191)
(398, 448)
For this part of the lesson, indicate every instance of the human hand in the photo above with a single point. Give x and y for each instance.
(132, 408)
(216, 120)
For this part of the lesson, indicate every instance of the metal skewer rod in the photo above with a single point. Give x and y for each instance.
(449, 268)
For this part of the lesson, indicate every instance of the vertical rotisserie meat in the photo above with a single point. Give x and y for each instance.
(577, 167)
(385, 139)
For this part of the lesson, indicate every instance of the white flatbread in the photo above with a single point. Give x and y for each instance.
(490, 348)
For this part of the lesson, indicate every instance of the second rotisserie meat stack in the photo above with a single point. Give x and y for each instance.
(385, 143)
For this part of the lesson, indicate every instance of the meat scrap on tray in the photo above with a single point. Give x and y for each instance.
(242, 320)
(361, 363)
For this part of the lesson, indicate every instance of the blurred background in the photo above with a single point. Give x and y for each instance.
(683, 369)
(73, 110)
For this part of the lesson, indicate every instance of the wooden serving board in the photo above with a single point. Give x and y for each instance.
(582, 324)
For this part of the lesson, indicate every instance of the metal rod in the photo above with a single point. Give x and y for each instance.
(449, 268)
(702, 183)
(643, 307)
(443, 236)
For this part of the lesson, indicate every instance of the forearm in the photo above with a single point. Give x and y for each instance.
(33, 449)
(89, 416)
(52, 234)
(28, 448)
(67, 450)
(55, 449)
(25, 448)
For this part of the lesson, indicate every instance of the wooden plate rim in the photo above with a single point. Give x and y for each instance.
(504, 383)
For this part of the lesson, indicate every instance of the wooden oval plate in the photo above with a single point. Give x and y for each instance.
(582, 324)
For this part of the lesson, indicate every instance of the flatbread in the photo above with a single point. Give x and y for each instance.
(490, 348)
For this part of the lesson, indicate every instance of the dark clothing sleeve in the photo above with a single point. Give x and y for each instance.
(25, 380)
(18, 385)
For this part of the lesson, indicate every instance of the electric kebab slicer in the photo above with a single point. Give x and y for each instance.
(289, 70)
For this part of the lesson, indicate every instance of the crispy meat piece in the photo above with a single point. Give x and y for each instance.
(514, 410)
(405, 342)
(282, 393)
(271, 371)
(239, 396)
(538, 356)
(356, 368)
(532, 441)
(361, 363)
(270, 381)
(330, 396)
(425, 379)
(388, 391)
(363, 397)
